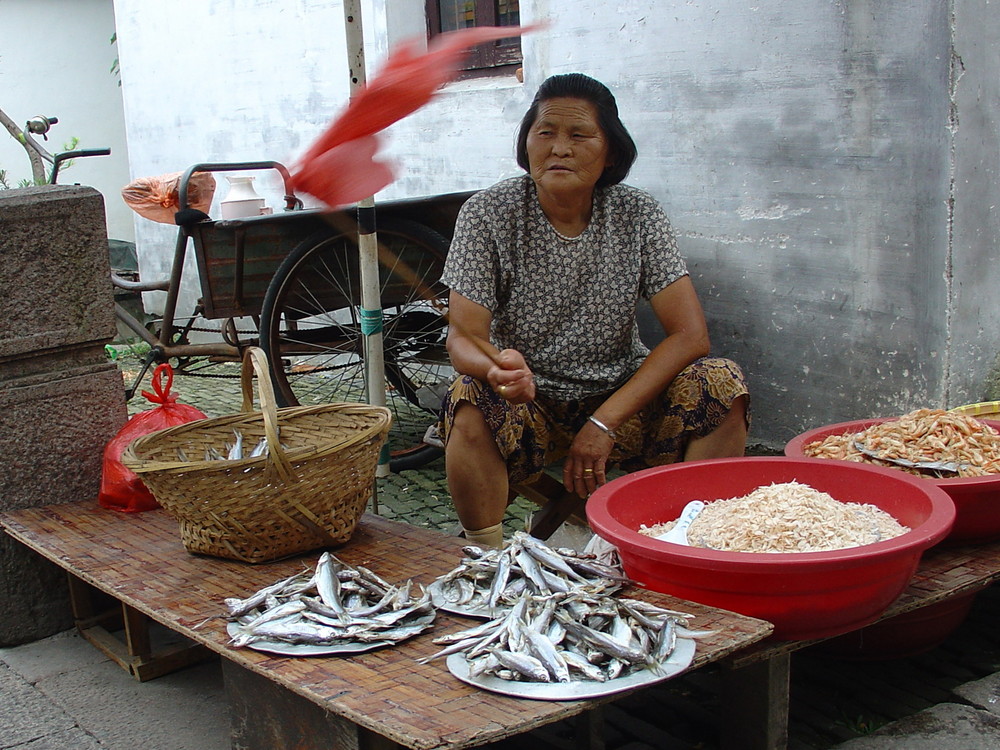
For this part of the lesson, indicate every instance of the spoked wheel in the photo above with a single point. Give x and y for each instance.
(312, 334)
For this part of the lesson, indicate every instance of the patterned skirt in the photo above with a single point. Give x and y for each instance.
(532, 436)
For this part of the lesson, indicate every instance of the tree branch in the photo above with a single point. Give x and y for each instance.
(36, 154)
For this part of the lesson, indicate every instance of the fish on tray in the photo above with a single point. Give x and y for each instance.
(487, 580)
(333, 605)
(567, 636)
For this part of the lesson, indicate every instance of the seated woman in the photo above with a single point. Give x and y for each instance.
(545, 271)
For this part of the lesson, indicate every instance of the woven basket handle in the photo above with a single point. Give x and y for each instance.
(255, 363)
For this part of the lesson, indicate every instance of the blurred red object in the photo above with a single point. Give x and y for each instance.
(340, 167)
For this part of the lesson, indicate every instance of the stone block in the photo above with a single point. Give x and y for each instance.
(61, 400)
(54, 433)
(947, 726)
(55, 277)
(984, 693)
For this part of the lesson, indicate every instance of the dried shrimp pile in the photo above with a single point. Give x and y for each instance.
(920, 436)
(786, 517)
(569, 636)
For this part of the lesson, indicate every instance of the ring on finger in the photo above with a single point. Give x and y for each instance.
(588, 471)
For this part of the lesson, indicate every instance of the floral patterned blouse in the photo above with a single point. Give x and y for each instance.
(567, 304)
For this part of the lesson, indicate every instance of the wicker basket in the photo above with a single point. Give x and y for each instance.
(982, 410)
(305, 493)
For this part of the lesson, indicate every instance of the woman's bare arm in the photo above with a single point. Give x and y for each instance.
(472, 353)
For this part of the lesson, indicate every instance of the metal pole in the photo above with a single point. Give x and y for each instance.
(371, 304)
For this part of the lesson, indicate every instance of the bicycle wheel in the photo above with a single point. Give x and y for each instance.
(311, 331)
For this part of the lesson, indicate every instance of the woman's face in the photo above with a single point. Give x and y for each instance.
(567, 150)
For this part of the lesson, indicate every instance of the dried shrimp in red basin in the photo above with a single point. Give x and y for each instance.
(922, 436)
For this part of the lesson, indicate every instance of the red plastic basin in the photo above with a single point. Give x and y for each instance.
(902, 636)
(977, 499)
(804, 594)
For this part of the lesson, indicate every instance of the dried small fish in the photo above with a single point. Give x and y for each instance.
(297, 583)
(572, 636)
(328, 584)
(260, 449)
(212, 454)
(605, 642)
(523, 664)
(487, 580)
(311, 608)
(236, 451)
(547, 653)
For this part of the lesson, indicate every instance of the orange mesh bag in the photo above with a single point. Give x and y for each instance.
(121, 489)
(157, 198)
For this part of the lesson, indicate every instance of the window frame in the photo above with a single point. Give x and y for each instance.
(498, 58)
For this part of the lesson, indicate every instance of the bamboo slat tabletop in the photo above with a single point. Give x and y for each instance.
(139, 559)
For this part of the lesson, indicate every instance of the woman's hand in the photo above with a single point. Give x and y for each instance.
(511, 377)
(584, 467)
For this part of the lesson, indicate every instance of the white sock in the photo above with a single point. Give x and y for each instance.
(491, 536)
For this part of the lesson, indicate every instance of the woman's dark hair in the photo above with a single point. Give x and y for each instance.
(621, 147)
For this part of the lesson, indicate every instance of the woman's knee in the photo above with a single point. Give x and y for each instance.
(468, 427)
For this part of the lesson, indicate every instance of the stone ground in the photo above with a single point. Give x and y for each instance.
(62, 694)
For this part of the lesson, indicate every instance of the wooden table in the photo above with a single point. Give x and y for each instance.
(380, 699)
(756, 682)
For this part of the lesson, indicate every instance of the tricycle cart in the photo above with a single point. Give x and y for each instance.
(295, 274)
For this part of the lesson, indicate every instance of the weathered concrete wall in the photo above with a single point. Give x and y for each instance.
(61, 400)
(57, 59)
(975, 247)
(829, 166)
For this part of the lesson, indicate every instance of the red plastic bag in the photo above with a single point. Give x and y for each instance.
(121, 489)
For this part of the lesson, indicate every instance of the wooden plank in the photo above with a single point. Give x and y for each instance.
(556, 502)
(134, 651)
(588, 731)
(385, 692)
(755, 701)
(264, 715)
(136, 634)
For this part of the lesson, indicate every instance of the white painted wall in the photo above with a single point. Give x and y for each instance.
(829, 166)
(55, 60)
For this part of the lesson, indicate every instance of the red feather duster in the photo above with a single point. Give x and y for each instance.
(340, 167)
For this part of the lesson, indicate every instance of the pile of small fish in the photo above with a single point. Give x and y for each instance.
(570, 636)
(230, 451)
(486, 580)
(334, 605)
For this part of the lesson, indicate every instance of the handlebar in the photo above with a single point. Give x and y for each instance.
(58, 159)
(291, 201)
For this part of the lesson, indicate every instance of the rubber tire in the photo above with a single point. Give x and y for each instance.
(327, 260)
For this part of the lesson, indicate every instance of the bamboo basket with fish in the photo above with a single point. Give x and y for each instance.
(306, 491)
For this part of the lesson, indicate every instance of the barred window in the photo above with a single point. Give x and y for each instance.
(449, 15)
